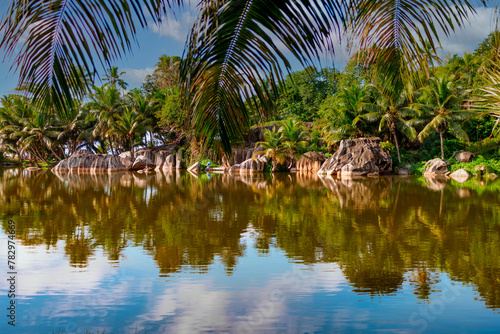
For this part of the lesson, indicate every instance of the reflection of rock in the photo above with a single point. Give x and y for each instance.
(405, 170)
(360, 156)
(360, 192)
(491, 176)
(33, 169)
(436, 182)
(195, 168)
(460, 175)
(463, 192)
(310, 162)
(249, 166)
(436, 167)
(464, 156)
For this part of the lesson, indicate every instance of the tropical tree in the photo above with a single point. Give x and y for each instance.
(231, 49)
(130, 125)
(273, 147)
(442, 108)
(294, 138)
(104, 106)
(348, 104)
(391, 110)
(113, 78)
(487, 99)
(147, 106)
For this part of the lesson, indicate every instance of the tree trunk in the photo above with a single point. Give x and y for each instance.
(397, 145)
(442, 148)
(131, 145)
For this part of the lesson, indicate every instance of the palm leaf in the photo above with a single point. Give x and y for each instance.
(232, 52)
(395, 32)
(457, 131)
(63, 37)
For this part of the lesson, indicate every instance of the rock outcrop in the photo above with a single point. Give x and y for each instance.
(310, 162)
(85, 162)
(464, 156)
(249, 166)
(436, 167)
(358, 157)
(159, 158)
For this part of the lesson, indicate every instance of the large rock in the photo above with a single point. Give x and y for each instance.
(249, 166)
(160, 157)
(436, 167)
(310, 162)
(91, 163)
(464, 156)
(360, 156)
(142, 162)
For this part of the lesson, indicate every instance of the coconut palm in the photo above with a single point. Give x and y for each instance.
(232, 49)
(294, 139)
(391, 109)
(147, 106)
(130, 125)
(113, 78)
(104, 106)
(442, 107)
(487, 99)
(273, 147)
(353, 102)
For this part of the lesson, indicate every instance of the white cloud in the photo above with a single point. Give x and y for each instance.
(471, 34)
(177, 27)
(135, 77)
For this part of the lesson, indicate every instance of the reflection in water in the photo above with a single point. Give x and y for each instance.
(380, 232)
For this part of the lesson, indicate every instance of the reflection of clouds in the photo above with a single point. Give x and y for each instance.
(189, 306)
(51, 274)
(194, 306)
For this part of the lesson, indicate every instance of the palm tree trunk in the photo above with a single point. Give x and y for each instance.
(442, 148)
(397, 145)
(131, 138)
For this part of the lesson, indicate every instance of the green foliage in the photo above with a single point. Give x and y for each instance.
(491, 165)
(388, 146)
(304, 91)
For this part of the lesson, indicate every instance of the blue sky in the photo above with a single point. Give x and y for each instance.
(171, 36)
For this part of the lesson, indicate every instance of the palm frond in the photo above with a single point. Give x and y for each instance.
(232, 57)
(63, 37)
(395, 32)
(457, 131)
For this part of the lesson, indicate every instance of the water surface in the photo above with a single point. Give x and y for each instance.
(170, 253)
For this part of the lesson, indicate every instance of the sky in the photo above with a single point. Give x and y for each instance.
(170, 39)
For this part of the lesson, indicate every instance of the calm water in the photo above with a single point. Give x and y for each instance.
(131, 253)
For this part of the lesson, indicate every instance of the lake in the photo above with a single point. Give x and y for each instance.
(171, 253)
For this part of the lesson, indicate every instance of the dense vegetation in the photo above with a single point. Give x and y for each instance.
(441, 112)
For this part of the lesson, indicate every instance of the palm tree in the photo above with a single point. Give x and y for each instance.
(294, 139)
(391, 110)
(442, 107)
(112, 78)
(231, 49)
(145, 105)
(130, 125)
(273, 147)
(104, 106)
(352, 104)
